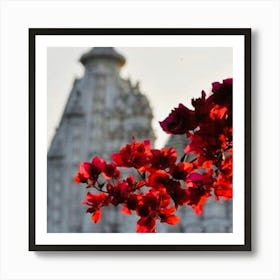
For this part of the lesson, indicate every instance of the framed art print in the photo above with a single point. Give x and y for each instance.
(140, 139)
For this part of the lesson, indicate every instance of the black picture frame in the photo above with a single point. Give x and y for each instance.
(33, 165)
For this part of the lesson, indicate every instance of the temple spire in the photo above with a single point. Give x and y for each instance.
(102, 53)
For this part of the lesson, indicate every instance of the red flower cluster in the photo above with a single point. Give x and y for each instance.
(163, 184)
(179, 121)
(211, 139)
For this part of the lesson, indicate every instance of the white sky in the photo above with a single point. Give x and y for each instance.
(167, 76)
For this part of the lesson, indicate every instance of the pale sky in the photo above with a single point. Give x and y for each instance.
(167, 76)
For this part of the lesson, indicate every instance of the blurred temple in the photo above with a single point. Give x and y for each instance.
(102, 114)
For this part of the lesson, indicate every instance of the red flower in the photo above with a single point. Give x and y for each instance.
(198, 206)
(171, 219)
(98, 164)
(167, 216)
(86, 170)
(208, 143)
(179, 121)
(164, 158)
(86, 174)
(95, 201)
(146, 224)
(151, 202)
(120, 191)
(177, 193)
(223, 184)
(199, 189)
(155, 205)
(143, 210)
(132, 201)
(181, 170)
(96, 216)
(202, 107)
(218, 112)
(89, 172)
(223, 187)
(125, 210)
(110, 171)
(146, 209)
(137, 154)
(158, 179)
(222, 93)
(197, 145)
(200, 180)
(79, 178)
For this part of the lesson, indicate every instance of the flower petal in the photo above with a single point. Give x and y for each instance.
(172, 220)
(96, 216)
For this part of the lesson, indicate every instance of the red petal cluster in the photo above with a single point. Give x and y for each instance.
(213, 138)
(135, 155)
(90, 171)
(179, 121)
(95, 202)
(163, 184)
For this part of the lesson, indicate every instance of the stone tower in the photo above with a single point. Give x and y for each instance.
(102, 113)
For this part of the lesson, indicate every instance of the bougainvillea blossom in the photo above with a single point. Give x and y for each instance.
(158, 183)
(95, 202)
(179, 121)
(89, 171)
(136, 154)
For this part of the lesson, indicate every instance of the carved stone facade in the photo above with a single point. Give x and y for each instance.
(102, 114)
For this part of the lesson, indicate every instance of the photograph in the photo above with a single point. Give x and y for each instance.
(141, 139)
